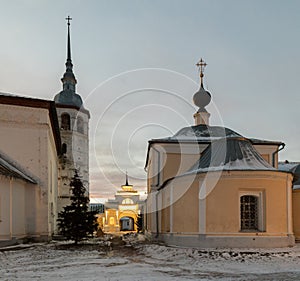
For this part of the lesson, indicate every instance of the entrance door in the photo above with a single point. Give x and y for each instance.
(126, 224)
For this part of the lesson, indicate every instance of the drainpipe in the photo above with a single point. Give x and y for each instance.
(276, 152)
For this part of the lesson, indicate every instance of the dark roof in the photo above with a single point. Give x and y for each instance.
(293, 168)
(68, 97)
(230, 154)
(205, 134)
(11, 169)
(36, 103)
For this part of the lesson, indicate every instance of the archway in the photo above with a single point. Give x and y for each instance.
(126, 224)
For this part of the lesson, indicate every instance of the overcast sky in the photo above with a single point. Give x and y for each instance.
(135, 66)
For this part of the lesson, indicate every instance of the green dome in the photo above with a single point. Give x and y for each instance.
(68, 97)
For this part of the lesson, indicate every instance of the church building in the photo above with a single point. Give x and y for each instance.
(121, 213)
(73, 121)
(42, 143)
(208, 186)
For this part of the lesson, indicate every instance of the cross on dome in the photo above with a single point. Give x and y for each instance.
(201, 65)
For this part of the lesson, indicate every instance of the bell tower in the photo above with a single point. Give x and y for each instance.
(74, 129)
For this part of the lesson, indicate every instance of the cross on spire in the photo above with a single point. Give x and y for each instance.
(201, 65)
(68, 19)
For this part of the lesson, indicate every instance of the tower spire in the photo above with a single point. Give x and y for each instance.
(69, 80)
(68, 94)
(69, 41)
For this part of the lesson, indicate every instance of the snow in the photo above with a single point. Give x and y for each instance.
(287, 166)
(140, 260)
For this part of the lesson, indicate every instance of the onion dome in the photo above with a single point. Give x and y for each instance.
(202, 97)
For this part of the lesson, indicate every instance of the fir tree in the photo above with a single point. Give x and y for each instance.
(76, 222)
(140, 223)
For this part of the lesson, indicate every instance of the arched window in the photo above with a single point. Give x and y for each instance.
(65, 121)
(249, 212)
(80, 128)
(64, 148)
(127, 201)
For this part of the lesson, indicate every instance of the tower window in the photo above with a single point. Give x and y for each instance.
(65, 121)
(64, 148)
(127, 201)
(80, 127)
(249, 212)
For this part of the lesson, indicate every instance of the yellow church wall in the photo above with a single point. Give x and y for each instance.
(222, 204)
(169, 160)
(266, 151)
(296, 213)
(176, 164)
(225, 218)
(185, 208)
(165, 210)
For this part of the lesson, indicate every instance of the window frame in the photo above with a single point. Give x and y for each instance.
(261, 223)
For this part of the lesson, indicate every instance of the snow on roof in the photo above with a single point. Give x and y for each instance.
(12, 169)
(290, 167)
(204, 133)
(230, 154)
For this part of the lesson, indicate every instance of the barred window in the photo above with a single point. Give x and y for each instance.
(249, 212)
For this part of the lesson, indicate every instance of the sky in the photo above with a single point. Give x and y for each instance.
(135, 66)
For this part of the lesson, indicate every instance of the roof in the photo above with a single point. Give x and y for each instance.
(288, 166)
(205, 134)
(230, 154)
(11, 169)
(294, 168)
(68, 97)
(36, 103)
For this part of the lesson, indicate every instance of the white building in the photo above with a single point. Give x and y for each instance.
(73, 121)
(30, 145)
(42, 143)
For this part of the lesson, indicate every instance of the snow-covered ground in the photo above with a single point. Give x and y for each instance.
(142, 261)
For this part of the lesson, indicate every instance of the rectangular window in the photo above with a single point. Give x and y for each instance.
(249, 212)
(252, 210)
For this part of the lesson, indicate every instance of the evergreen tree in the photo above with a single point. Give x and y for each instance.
(76, 222)
(140, 223)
